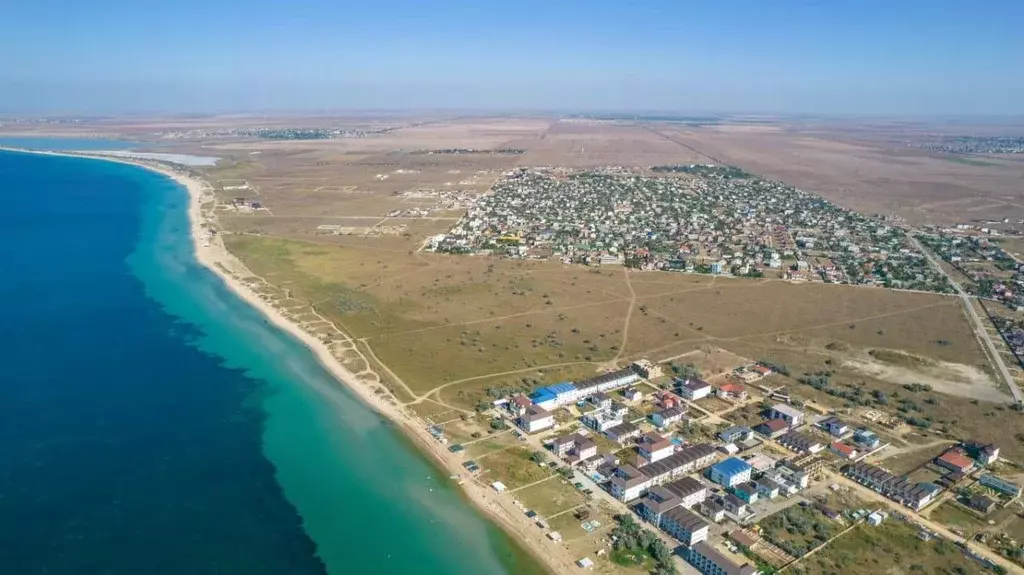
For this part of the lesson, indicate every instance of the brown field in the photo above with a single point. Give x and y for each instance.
(449, 328)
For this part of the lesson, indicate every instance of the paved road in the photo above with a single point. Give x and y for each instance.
(979, 325)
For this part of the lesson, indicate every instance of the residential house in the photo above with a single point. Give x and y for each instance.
(843, 450)
(600, 401)
(983, 453)
(736, 433)
(713, 509)
(622, 432)
(801, 442)
(618, 410)
(601, 421)
(772, 428)
(683, 462)
(733, 504)
(632, 394)
(653, 447)
(731, 391)
(767, 488)
(730, 472)
(694, 389)
(690, 491)
(628, 483)
(561, 445)
(747, 492)
(667, 417)
(575, 448)
(517, 407)
(899, 489)
(685, 526)
(834, 426)
(667, 400)
(535, 419)
(654, 505)
(955, 460)
(866, 438)
(791, 415)
(981, 503)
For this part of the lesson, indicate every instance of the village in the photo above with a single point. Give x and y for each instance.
(718, 470)
(691, 219)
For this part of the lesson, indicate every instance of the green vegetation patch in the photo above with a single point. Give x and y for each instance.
(892, 547)
(798, 529)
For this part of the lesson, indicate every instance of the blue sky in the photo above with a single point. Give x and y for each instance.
(827, 57)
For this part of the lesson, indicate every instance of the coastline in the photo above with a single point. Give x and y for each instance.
(210, 252)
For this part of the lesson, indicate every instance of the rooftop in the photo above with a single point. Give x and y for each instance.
(731, 466)
(686, 519)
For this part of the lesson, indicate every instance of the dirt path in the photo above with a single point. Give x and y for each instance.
(629, 315)
(437, 389)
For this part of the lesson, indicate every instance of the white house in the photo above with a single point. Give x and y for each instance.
(535, 419)
(694, 389)
(654, 447)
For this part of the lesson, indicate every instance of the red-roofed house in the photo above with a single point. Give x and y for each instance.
(843, 450)
(955, 460)
(732, 391)
(667, 399)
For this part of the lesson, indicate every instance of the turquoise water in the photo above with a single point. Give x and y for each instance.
(157, 424)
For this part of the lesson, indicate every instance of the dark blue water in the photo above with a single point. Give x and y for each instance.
(124, 449)
(152, 422)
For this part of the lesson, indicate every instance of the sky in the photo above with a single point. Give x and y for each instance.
(870, 57)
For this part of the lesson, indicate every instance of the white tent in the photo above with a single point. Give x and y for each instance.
(585, 563)
(498, 486)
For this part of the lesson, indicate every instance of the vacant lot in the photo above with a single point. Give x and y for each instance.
(798, 529)
(550, 497)
(513, 467)
(892, 547)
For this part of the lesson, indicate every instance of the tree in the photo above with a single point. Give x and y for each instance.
(537, 457)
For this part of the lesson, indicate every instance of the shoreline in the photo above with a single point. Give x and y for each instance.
(210, 253)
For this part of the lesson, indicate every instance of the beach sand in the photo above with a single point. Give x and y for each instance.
(211, 253)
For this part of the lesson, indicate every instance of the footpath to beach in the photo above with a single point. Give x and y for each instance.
(211, 253)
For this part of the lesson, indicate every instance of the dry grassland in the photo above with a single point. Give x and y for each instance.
(463, 325)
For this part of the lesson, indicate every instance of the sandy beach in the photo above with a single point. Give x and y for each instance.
(211, 253)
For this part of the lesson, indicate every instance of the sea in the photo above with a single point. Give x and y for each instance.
(151, 422)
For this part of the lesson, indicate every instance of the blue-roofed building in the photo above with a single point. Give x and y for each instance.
(1000, 485)
(552, 396)
(731, 472)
